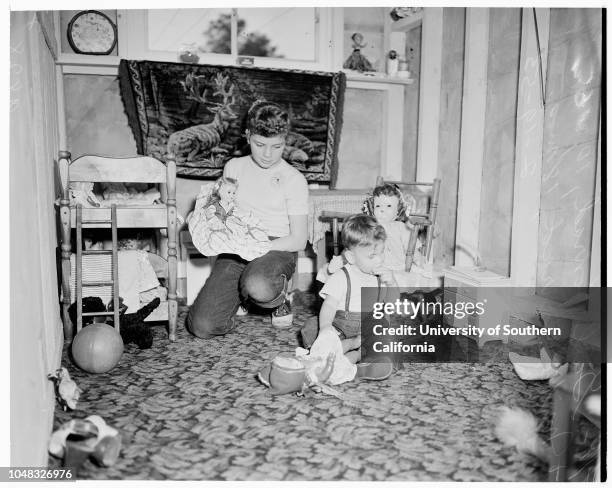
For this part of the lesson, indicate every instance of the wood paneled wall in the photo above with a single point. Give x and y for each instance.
(36, 330)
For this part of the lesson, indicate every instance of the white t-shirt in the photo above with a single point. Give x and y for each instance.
(271, 195)
(335, 287)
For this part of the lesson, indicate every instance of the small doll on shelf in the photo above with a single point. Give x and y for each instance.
(356, 60)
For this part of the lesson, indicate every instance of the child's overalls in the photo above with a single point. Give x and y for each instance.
(347, 323)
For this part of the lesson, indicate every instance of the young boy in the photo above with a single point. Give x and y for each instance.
(275, 193)
(364, 243)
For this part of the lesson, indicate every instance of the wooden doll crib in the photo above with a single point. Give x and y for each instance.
(98, 169)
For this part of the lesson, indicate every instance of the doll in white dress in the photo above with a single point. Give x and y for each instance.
(217, 225)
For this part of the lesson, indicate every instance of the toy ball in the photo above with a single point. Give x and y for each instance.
(97, 348)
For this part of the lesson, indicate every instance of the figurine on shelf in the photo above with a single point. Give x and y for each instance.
(356, 60)
(187, 53)
(403, 70)
(392, 63)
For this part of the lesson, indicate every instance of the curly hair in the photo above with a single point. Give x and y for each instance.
(267, 119)
(361, 230)
(214, 193)
(389, 190)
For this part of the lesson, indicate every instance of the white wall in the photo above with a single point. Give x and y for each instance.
(544, 226)
(570, 147)
(36, 330)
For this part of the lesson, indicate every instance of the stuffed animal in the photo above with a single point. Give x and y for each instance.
(134, 330)
(90, 304)
(132, 327)
(66, 389)
(518, 428)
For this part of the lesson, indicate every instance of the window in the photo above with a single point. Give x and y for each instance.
(206, 30)
(277, 32)
(276, 37)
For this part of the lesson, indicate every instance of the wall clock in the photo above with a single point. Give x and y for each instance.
(92, 32)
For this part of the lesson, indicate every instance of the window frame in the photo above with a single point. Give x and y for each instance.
(133, 38)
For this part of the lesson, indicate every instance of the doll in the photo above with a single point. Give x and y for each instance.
(222, 198)
(356, 60)
(218, 224)
(388, 206)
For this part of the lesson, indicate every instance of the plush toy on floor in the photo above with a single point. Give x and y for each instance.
(90, 304)
(66, 390)
(518, 428)
(132, 326)
(134, 330)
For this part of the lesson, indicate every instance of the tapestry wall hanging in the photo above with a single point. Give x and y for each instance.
(197, 113)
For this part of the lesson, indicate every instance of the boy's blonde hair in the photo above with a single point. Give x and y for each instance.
(361, 230)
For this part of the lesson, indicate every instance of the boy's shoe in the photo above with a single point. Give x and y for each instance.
(282, 317)
(374, 371)
(241, 312)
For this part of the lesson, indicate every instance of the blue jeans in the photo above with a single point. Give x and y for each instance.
(262, 282)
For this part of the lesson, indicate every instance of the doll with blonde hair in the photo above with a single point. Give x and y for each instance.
(219, 226)
(222, 198)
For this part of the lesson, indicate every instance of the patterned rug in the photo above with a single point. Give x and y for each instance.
(193, 410)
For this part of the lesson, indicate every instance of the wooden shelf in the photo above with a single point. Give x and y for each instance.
(88, 64)
(147, 216)
(88, 59)
(379, 78)
(407, 23)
